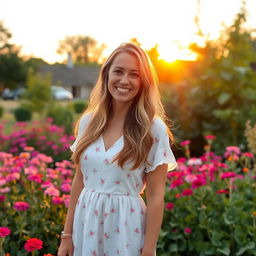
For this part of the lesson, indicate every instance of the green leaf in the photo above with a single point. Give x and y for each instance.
(225, 251)
(173, 248)
(223, 98)
(241, 251)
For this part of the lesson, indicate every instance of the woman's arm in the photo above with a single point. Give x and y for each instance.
(155, 189)
(66, 246)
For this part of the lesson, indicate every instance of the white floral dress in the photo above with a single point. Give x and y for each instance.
(110, 214)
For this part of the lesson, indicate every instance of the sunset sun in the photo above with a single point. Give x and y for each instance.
(172, 52)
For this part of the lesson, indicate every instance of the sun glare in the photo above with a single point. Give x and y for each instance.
(171, 53)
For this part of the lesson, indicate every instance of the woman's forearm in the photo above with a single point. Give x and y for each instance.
(155, 207)
(77, 187)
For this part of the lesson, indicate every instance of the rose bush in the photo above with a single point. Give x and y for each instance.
(43, 136)
(34, 195)
(210, 205)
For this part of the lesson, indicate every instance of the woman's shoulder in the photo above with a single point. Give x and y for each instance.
(84, 119)
(158, 125)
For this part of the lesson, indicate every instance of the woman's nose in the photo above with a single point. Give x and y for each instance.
(124, 80)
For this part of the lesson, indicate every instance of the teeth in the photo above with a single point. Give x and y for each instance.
(122, 89)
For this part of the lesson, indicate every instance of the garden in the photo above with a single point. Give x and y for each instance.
(210, 199)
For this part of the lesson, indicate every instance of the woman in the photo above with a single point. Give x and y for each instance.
(121, 148)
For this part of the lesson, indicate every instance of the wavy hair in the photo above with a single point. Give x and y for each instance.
(144, 108)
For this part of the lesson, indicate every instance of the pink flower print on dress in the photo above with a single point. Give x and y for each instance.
(106, 161)
(94, 253)
(84, 206)
(129, 175)
(105, 214)
(117, 252)
(94, 170)
(117, 230)
(86, 157)
(117, 182)
(132, 210)
(127, 245)
(91, 233)
(156, 140)
(137, 185)
(137, 231)
(96, 213)
(106, 235)
(165, 153)
(142, 212)
(113, 210)
(102, 181)
(97, 149)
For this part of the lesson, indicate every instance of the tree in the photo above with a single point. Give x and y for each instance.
(38, 95)
(223, 94)
(83, 49)
(12, 68)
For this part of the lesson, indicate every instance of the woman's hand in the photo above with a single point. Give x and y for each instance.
(66, 247)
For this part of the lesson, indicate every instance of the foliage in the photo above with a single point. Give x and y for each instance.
(250, 134)
(22, 114)
(210, 207)
(34, 196)
(12, 68)
(80, 106)
(61, 116)
(43, 136)
(1, 111)
(83, 49)
(221, 96)
(38, 95)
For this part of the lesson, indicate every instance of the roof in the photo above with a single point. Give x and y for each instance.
(76, 76)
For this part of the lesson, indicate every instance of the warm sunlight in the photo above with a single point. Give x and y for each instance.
(172, 52)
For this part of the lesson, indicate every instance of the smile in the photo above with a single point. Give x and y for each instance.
(120, 89)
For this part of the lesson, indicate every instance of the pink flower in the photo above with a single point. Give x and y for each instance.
(36, 178)
(5, 190)
(187, 230)
(4, 231)
(21, 206)
(185, 143)
(57, 200)
(66, 187)
(187, 192)
(233, 149)
(248, 154)
(2, 198)
(66, 200)
(33, 244)
(194, 161)
(226, 175)
(209, 137)
(169, 206)
(52, 191)
(222, 191)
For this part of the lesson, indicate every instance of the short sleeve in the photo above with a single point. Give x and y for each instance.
(160, 152)
(81, 128)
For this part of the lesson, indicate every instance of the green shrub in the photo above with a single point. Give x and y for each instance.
(62, 116)
(80, 106)
(1, 111)
(22, 114)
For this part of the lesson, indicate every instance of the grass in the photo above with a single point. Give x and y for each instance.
(8, 118)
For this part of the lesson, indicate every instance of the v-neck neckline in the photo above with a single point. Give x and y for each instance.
(103, 143)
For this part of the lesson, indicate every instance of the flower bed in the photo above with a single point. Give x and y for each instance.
(210, 205)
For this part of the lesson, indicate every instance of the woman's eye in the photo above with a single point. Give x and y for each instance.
(135, 75)
(117, 71)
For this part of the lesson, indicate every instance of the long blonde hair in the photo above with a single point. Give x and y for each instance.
(146, 105)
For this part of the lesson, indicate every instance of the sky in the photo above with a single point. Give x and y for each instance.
(38, 25)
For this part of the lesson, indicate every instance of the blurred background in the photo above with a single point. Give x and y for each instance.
(204, 52)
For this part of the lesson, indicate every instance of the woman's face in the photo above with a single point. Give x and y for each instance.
(124, 79)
